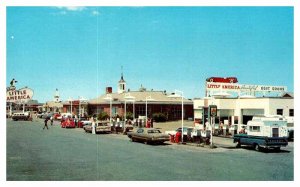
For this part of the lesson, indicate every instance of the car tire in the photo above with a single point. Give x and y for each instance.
(257, 147)
(277, 148)
(238, 145)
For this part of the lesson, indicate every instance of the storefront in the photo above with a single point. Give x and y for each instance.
(237, 103)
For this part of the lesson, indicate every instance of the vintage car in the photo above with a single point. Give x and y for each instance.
(101, 127)
(40, 114)
(148, 135)
(57, 116)
(222, 79)
(82, 123)
(64, 115)
(128, 128)
(68, 123)
(21, 116)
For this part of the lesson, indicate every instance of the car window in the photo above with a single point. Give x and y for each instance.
(153, 131)
(140, 131)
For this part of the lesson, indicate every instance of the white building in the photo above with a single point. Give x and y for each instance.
(239, 110)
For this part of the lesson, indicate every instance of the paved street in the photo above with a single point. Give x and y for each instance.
(72, 154)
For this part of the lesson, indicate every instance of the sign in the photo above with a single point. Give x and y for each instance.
(18, 96)
(243, 87)
(212, 110)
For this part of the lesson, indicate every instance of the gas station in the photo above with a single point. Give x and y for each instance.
(238, 103)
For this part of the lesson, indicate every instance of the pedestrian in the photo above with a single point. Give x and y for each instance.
(224, 129)
(93, 127)
(51, 120)
(46, 124)
(221, 128)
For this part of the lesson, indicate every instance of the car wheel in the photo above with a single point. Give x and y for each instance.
(257, 147)
(277, 148)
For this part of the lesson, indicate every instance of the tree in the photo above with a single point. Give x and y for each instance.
(129, 115)
(102, 116)
(159, 117)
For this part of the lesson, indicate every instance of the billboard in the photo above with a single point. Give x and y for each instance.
(211, 86)
(19, 96)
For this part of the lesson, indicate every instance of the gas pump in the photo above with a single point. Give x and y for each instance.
(204, 115)
(211, 116)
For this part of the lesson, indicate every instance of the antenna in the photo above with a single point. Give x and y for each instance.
(122, 71)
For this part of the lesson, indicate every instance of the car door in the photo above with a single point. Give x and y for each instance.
(139, 134)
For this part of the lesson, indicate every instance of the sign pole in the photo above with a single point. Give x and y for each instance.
(10, 109)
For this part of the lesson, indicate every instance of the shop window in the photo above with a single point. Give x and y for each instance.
(176, 111)
(255, 128)
(291, 112)
(140, 110)
(114, 111)
(279, 112)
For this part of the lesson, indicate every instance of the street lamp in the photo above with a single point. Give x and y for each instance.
(109, 98)
(70, 100)
(81, 100)
(128, 98)
(148, 98)
(179, 94)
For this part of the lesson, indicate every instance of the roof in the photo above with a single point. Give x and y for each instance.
(33, 102)
(288, 94)
(53, 104)
(122, 79)
(159, 97)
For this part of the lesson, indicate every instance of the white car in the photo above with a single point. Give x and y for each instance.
(64, 115)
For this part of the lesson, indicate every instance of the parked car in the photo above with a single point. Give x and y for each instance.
(40, 114)
(57, 116)
(82, 123)
(21, 116)
(101, 127)
(148, 135)
(186, 131)
(291, 133)
(68, 123)
(64, 115)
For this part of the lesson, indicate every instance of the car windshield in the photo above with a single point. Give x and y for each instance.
(102, 124)
(153, 131)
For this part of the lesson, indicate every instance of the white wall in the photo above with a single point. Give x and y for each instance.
(284, 104)
(268, 105)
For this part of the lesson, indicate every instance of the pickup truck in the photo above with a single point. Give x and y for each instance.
(264, 132)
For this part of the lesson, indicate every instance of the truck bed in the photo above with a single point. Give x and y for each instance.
(263, 141)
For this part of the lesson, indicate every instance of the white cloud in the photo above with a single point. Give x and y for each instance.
(72, 8)
(95, 12)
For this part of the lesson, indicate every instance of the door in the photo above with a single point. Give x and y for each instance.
(275, 132)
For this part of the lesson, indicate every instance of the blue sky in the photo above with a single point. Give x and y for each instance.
(80, 50)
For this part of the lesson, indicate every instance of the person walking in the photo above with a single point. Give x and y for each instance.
(93, 127)
(46, 124)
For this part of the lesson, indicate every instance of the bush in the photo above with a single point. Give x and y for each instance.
(159, 117)
(129, 115)
(102, 116)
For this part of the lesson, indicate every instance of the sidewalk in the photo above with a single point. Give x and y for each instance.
(223, 142)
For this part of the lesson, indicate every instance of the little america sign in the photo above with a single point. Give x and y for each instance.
(21, 95)
(244, 87)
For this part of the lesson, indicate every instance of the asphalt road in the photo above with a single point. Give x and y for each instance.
(60, 154)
